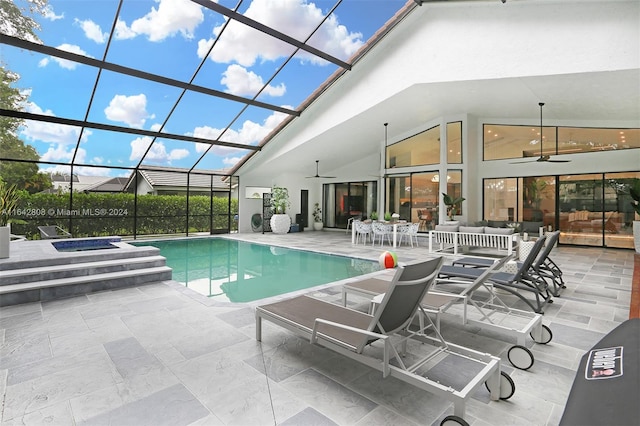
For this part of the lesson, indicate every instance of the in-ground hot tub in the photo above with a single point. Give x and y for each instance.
(87, 244)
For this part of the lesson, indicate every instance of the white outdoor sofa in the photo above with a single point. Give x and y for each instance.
(453, 238)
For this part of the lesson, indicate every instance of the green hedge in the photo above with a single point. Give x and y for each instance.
(93, 214)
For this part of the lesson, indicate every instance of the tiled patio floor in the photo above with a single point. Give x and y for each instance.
(161, 354)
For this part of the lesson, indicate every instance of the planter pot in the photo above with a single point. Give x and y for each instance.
(280, 223)
(5, 240)
(317, 226)
(636, 235)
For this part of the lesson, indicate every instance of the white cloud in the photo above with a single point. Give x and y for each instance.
(294, 17)
(158, 152)
(131, 110)
(50, 14)
(92, 31)
(231, 161)
(50, 132)
(334, 39)
(70, 65)
(84, 171)
(63, 153)
(240, 82)
(249, 134)
(122, 31)
(171, 17)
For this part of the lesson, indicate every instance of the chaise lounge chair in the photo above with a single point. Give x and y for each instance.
(491, 313)
(525, 280)
(543, 265)
(53, 232)
(373, 339)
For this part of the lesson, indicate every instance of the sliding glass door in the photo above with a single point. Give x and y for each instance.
(589, 210)
(343, 201)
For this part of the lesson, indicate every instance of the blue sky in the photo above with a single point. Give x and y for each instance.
(171, 38)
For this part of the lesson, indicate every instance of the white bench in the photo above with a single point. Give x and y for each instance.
(440, 241)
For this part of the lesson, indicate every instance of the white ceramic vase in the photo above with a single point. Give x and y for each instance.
(280, 223)
(317, 226)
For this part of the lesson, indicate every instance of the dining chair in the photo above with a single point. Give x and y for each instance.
(363, 230)
(380, 231)
(411, 232)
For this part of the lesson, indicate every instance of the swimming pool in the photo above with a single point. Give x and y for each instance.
(238, 271)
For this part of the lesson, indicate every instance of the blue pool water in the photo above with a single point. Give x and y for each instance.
(238, 271)
(87, 244)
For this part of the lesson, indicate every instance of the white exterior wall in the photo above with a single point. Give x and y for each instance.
(461, 42)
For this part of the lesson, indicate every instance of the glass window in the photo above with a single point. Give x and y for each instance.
(538, 201)
(500, 199)
(530, 201)
(418, 150)
(454, 187)
(619, 213)
(502, 142)
(424, 197)
(399, 196)
(454, 142)
(574, 139)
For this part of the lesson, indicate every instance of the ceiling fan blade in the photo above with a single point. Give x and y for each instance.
(559, 161)
(318, 173)
(526, 161)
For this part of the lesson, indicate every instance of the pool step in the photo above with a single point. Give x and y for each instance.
(53, 272)
(80, 257)
(49, 279)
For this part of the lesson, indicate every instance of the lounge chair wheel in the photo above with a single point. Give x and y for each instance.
(520, 357)
(452, 421)
(507, 386)
(547, 335)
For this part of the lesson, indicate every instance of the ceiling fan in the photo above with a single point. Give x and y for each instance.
(318, 175)
(543, 158)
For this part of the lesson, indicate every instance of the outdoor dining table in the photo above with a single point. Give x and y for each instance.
(396, 225)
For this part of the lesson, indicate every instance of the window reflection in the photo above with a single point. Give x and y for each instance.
(454, 142)
(418, 150)
(502, 142)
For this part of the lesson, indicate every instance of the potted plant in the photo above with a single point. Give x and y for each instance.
(280, 221)
(387, 216)
(9, 197)
(453, 204)
(317, 217)
(634, 192)
(374, 215)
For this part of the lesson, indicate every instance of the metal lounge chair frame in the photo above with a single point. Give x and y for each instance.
(517, 284)
(353, 334)
(491, 313)
(52, 232)
(543, 265)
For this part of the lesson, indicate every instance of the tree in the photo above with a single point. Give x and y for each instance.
(17, 21)
(22, 174)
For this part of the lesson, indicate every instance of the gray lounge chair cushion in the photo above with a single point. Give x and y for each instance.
(448, 228)
(372, 286)
(303, 311)
(472, 229)
(498, 231)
